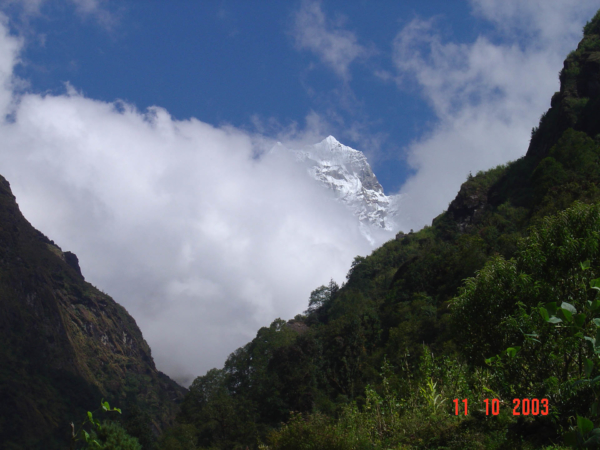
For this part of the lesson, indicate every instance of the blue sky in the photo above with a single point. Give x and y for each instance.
(136, 134)
(237, 62)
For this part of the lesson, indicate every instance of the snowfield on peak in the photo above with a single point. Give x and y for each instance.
(346, 171)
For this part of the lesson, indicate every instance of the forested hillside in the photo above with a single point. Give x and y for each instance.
(65, 345)
(497, 299)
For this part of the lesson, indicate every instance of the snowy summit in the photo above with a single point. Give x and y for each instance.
(347, 172)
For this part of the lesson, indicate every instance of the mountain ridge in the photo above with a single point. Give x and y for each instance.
(64, 344)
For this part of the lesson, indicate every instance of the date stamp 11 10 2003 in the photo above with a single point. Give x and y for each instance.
(521, 406)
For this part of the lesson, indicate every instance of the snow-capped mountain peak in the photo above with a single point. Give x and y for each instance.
(347, 172)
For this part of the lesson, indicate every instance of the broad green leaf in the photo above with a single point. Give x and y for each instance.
(544, 313)
(554, 319)
(596, 379)
(117, 410)
(490, 360)
(566, 314)
(579, 319)
(588, 367)
(86, 436)
(568, 307)
(595, 284)
(595, 305)
(585, 265)
(584, 425)
(593, 439)
(596, 321)
(90, 417)
(512, 351)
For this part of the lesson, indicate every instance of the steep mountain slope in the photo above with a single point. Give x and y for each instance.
(405, 335)
(346, 171)
(64, 344)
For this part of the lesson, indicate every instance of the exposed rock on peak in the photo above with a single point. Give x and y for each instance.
(346, 171)
(468, 205)
(577, 104)
(72, 260)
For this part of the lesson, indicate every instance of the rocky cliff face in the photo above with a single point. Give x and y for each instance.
(576, 107)
(64, 344)
(469, 204)
(346, 171)
(577, 104)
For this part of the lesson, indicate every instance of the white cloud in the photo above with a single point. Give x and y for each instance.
(487, 96)
(95, 9)
(98, 10)
(9, 56)
(545, 22)
(335, 46)
(194, 229)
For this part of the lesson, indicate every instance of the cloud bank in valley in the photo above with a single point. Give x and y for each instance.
(198, 232)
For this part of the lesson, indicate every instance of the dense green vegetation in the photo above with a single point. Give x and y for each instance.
(107, 434)
(497, 299)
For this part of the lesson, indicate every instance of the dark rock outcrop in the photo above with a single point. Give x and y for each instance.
(468, 205)
(72, 260)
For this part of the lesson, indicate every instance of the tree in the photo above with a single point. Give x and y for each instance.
(322, 296)
(107, 435)
(535, 319)
(210, 407)
(112, 436)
